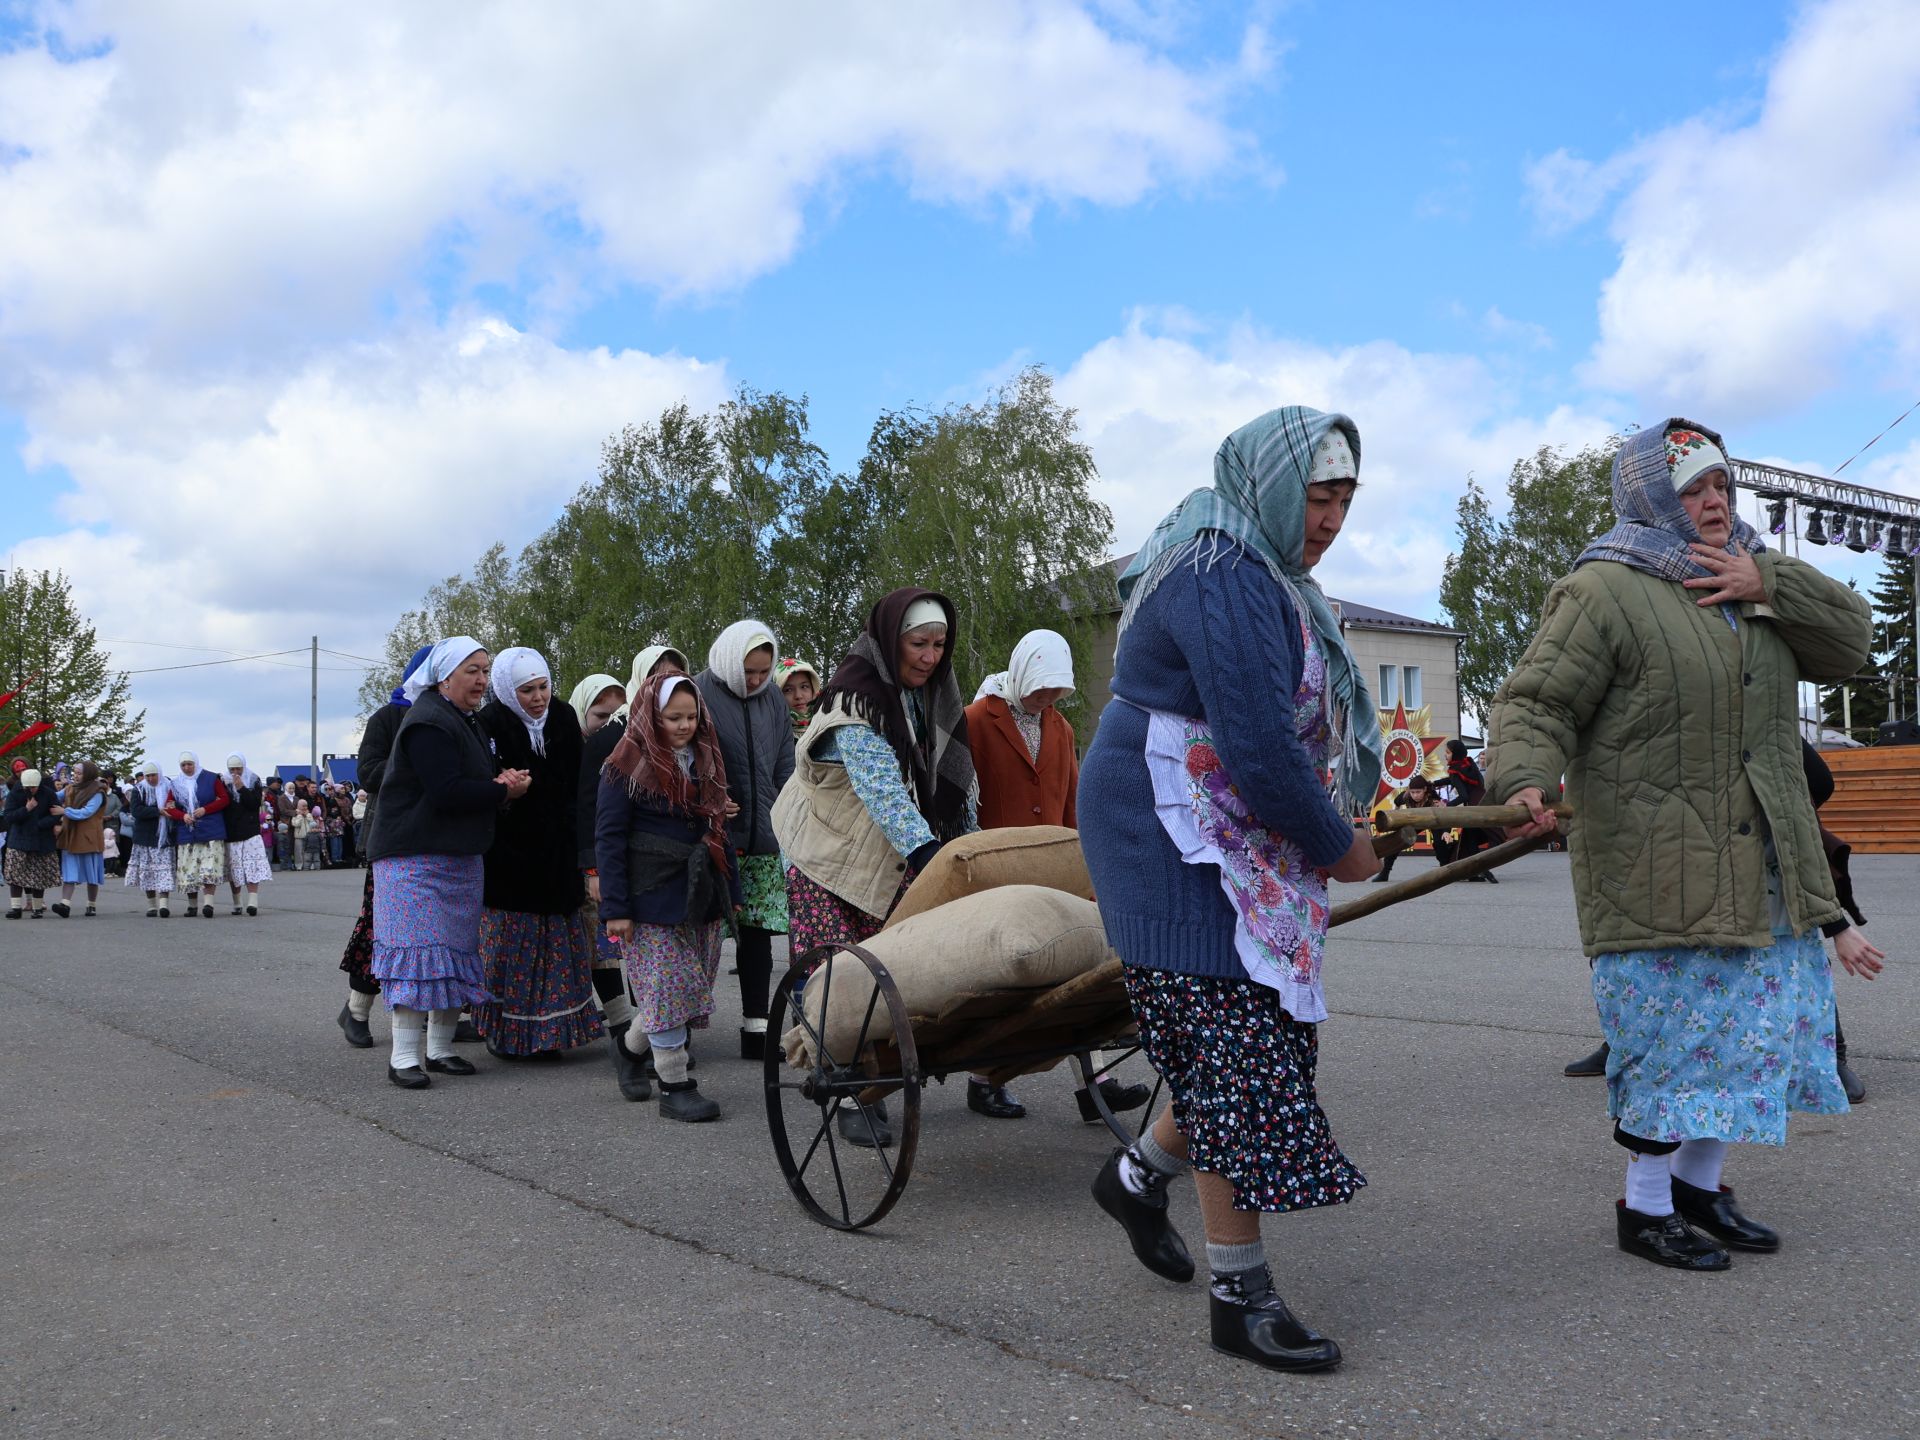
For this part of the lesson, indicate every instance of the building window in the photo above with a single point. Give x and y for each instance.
(1389, 686)
(1410, 686)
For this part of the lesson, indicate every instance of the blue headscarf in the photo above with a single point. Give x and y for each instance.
(400, 696)
(1259, 497)
(1654, 528)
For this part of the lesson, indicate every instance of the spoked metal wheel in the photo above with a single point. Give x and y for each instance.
(1091, 1078)
(866, 1086)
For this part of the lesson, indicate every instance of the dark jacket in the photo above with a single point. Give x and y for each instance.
(593, 755)
(655, 868)
(146, 820)
(438, 796)
(243, 814)
(756, 741)
(376, 746)
(210, 795)
(530, 865)
(30, 832)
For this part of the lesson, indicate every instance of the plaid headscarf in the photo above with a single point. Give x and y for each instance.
(1654, 528)
(645, 762)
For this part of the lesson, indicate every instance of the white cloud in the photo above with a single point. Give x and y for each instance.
(1155, 406)
(1758, 258)
(227, 172)
(248, 514)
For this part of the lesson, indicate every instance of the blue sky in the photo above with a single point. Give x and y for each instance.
(265, 270)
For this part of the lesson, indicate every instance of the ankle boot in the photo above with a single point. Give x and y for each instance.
(1156, 1244)
(1589, 1065)
(1667, 1240)
(1714, 1212)
(685, 1102)
(629, 1069)
(1251, 1321)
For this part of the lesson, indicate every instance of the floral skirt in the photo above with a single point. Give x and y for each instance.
(1718, 1043)
(358, 959)
(202, 866)
(88, 869)
(32, 870)
(671, 969)
(426, 931)
(764, 884)
(816, 916)
(247, 862)
(541, 967)
(150, 867)
(1240, 1070)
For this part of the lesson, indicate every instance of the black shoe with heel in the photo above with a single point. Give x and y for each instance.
(1252, 1322)
(1668, 1240)
(1156, 1244)
(1714, 1212)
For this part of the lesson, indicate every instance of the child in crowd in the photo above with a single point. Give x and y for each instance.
(800, 683)
(305, 842)
(668, 877)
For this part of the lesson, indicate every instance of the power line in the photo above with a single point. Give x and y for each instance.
(345, 656)
(202, 664)
(1876, 439)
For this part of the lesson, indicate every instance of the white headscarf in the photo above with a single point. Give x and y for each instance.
(727, 656)
(446, 657)
(185, 788)
(1041, 661)
(247, 777)
(514, 667)
(643, 664)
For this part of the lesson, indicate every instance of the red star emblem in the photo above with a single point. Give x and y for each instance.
(1406, 755)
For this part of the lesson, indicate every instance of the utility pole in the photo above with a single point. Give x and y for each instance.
(313, 716)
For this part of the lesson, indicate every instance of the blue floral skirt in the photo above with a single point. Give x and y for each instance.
(541, 967)
(1241, 1070)
(426, 931)
(1718, 1044)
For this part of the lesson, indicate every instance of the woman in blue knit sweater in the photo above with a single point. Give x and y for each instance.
(1214, 807)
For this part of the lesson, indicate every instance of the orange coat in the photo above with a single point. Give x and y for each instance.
(1013, 790)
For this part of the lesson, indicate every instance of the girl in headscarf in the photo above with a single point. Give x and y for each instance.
(536, 947)
(82, 839)
(800, 683)
(376, 748)
(439, 799)
(756, 742)
(247, 864)
(668, 878)
(881, 780)
(1237, 709)
(609, 973)
(150, 864)
(199, 833)
(1664, 684)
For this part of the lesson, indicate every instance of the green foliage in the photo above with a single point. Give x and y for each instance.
(86, 701)
(696, 521)
(1893, 632)
(1495, 585)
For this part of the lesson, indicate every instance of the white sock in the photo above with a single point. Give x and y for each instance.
(754, 1025)
(628, 1038)
(407, 1027)
(440, 1027)
(359, 1005)
(670, 1064)
(1699, 1162)
(1649, 1184)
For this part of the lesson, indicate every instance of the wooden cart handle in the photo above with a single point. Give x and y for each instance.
(1477, 817)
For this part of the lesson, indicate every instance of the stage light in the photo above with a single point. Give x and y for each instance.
(1873, 535)
(1777, 516)
(1816, 528)
(1896, 539)
(1856, 541)
(1913, 539)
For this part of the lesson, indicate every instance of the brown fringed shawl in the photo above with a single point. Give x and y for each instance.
(645, 762)
(937, 765)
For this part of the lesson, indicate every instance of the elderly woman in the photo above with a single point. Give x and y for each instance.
(438, 803)
(82, 838)
(536, 946)
(751, 719)
(199, 833)
(1664, 683)
(150, 863)
(32, 866)
(1234, 698)
(247, 863)
(882, 779)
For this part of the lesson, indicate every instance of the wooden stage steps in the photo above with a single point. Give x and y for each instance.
(1876, 798)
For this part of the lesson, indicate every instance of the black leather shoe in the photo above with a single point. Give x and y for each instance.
(753, 1045)
(1588, 1066)
(1714, 1212)
(62, 909)
(164, 912)
(629, 1069)
(1258, 1326)
(870, 1131)
(1119, 1098)
(1156, 1244)
(1850, 1082)
(356, 1031)
(151, 914)
(995, 1102)
(684, 1102)
(411, 1078)
(451, 1065)
(253, 910)
(1667, 1240)
(206, 912)
(465, 1032)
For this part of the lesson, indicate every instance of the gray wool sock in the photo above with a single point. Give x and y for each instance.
(1158, 1157)
(1233, 1259)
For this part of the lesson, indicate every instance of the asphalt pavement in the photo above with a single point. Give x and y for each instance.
(220, 1220)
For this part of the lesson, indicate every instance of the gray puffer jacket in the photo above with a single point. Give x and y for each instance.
(756, 741)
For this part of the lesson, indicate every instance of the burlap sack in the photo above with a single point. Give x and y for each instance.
(1046, 855)
(1014, 937)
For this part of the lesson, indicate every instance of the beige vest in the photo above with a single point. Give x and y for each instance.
(826, 831)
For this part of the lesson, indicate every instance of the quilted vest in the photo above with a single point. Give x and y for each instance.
(826, 831)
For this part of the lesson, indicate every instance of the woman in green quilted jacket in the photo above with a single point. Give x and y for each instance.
(1664, 684)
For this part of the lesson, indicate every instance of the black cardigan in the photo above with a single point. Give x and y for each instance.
(438, 796)
(531, 866)
(593, 758)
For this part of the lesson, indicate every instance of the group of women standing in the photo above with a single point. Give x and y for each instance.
(55, 835)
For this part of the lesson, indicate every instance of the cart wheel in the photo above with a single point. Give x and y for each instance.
(1090, 1078)
(839, 1183)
